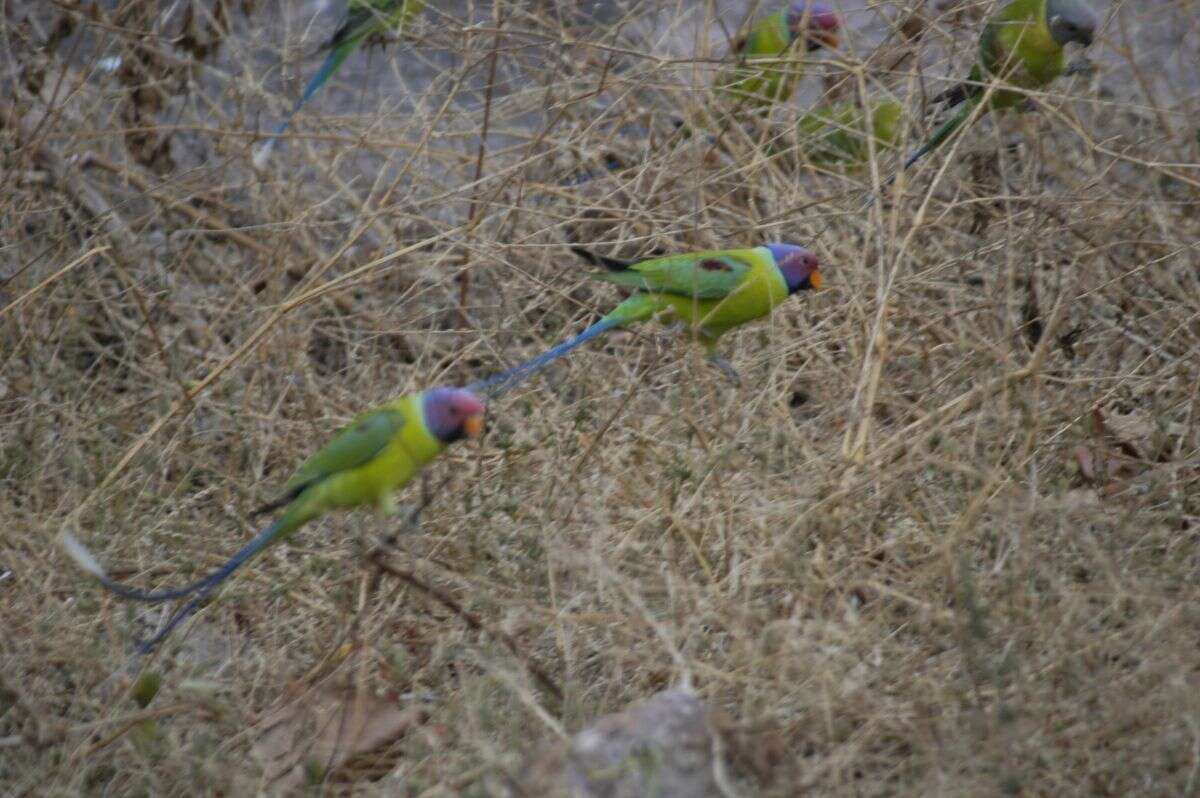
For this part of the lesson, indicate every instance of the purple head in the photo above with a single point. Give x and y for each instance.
(817, 23)
(800, 268)
(451, 413)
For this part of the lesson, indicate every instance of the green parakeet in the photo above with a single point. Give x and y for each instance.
(365, 463)
(763, 73)
(761, 77)
(364, 19)
(711, 292)
(842, 133)
(1022, 46)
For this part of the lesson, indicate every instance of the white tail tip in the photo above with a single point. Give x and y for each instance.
(82, 557)
(264, 154)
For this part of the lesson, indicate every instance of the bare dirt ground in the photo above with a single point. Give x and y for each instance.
(943, 539)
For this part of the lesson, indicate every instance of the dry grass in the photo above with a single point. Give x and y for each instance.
(943, 540)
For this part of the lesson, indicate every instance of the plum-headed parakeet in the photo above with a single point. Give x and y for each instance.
(1022, 47)
(364, 19)
(377, 454)
(761, 76)
(711, 292)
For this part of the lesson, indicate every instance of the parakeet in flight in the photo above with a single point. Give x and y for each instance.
(377, 454)
(364, 19)
(1022, 46)
(711, 292)
(842, 133)
(761, 76)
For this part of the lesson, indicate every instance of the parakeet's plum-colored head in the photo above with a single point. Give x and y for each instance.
(452, 413)
(1070, 21)
(799, 266)
(817, 23)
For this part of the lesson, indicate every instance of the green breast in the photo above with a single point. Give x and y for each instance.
(770, 39)
(1017, 47)
(405, 454)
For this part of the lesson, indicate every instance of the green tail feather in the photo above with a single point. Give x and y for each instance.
(939, 137)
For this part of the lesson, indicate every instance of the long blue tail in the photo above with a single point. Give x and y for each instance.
(332, 62)
(506, 380)
(86, 561)
(199, 590)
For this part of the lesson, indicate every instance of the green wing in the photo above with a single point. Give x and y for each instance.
(992, 55)
(703, 275)
(354, 446)
(367, 17)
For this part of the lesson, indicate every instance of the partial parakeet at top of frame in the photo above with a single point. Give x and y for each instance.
(1022, 48)
(711, 292)
(376, 455)
(364, 19)
(764, 74)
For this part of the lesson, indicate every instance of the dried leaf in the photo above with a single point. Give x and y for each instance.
(317, 734)
(1133, 432)
(1102, 465)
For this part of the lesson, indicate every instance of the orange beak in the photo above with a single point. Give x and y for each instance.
(473, 426)
(815, 280)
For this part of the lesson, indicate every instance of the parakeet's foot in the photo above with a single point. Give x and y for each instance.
(726, 368)
(409, 523)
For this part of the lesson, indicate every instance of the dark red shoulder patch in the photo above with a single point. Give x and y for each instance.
(714, 265)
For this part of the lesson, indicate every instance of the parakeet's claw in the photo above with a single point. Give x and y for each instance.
(383, 40)
(726, 368)
(392, 539)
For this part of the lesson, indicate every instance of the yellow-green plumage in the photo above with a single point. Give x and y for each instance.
(761, 77)
(843, 133)
(711, 292)
(767, 68)
(758, 289)
(402, 445)
(1018, 49)
(377, 454)
(368, 17)
(1021, 49)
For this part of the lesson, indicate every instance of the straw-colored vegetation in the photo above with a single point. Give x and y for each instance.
(943, 539)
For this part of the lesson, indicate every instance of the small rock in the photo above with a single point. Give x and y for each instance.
(663, 746)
